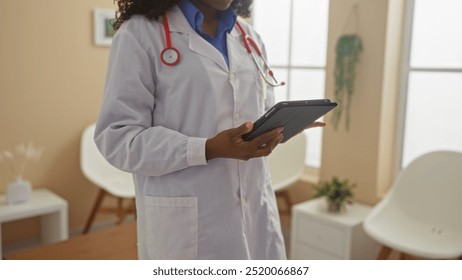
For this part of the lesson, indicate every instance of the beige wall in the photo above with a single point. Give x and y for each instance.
(51, 83)
(365, 154)
(52, 77)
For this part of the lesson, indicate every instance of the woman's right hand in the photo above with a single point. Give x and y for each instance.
(229, 143)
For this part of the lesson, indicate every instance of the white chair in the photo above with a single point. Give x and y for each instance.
(286, 164)
(110, 180)
(421, 213)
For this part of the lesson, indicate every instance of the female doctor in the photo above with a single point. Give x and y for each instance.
(180, 90)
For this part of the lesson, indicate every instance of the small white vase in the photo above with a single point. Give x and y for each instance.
(18, 191)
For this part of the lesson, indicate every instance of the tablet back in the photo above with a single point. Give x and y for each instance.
(294, 116)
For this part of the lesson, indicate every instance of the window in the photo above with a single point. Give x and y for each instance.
(433, 79)
(295, 36)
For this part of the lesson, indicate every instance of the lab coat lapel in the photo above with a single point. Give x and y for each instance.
(178, 23)
(236, 49)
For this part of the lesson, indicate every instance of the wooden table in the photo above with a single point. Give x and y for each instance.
(115, 243)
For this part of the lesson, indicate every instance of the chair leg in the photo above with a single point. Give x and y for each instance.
(284, 194)
(288, 201)
(121, 213)
(384, 253)
(132, 207)
(96, 206)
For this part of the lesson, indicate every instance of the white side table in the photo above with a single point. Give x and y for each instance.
(51, 208)
(320, 235)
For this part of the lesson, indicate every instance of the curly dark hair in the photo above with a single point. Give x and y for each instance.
(152, 9)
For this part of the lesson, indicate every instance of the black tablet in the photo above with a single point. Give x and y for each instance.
(294, 116)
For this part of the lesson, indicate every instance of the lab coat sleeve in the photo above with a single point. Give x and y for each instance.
(125, 134)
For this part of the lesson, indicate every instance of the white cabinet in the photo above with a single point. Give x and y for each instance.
(320, 235)
(51, 208)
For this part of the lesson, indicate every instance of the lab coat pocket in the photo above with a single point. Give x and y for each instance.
(171, 227)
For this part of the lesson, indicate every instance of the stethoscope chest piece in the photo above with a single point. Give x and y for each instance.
(170, 56)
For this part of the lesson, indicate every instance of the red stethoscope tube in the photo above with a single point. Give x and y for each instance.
(171, 56)
(248, 43)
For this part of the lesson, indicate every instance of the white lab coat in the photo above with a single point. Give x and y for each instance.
(154, 122)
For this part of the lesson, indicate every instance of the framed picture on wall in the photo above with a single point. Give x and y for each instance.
(102, 22)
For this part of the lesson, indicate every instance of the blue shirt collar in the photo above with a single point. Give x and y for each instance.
(196, 18)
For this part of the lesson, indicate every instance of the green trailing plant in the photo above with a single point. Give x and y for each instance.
(337, 192)
(347, 55)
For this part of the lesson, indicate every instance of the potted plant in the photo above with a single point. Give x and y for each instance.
(337, 193)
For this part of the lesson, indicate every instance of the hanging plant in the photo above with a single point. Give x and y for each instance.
(347, 50)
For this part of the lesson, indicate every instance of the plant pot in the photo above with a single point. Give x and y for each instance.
(18, 191)
(333, 207)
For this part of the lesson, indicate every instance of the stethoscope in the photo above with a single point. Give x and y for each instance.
(170, 56)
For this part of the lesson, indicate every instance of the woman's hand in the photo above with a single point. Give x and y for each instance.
(229, 143)
(316, 124)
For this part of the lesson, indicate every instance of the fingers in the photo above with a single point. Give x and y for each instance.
(267, 149)
(242, 129)
(229, 143)
(273, 142)
(316, 124)
(265, 143)
(267, 136)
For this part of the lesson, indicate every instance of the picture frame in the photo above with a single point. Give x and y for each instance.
(102, 22)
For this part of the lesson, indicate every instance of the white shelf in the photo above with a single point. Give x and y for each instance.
(52, 210)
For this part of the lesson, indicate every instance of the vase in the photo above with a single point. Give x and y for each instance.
(18, 191)
(333, 207)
